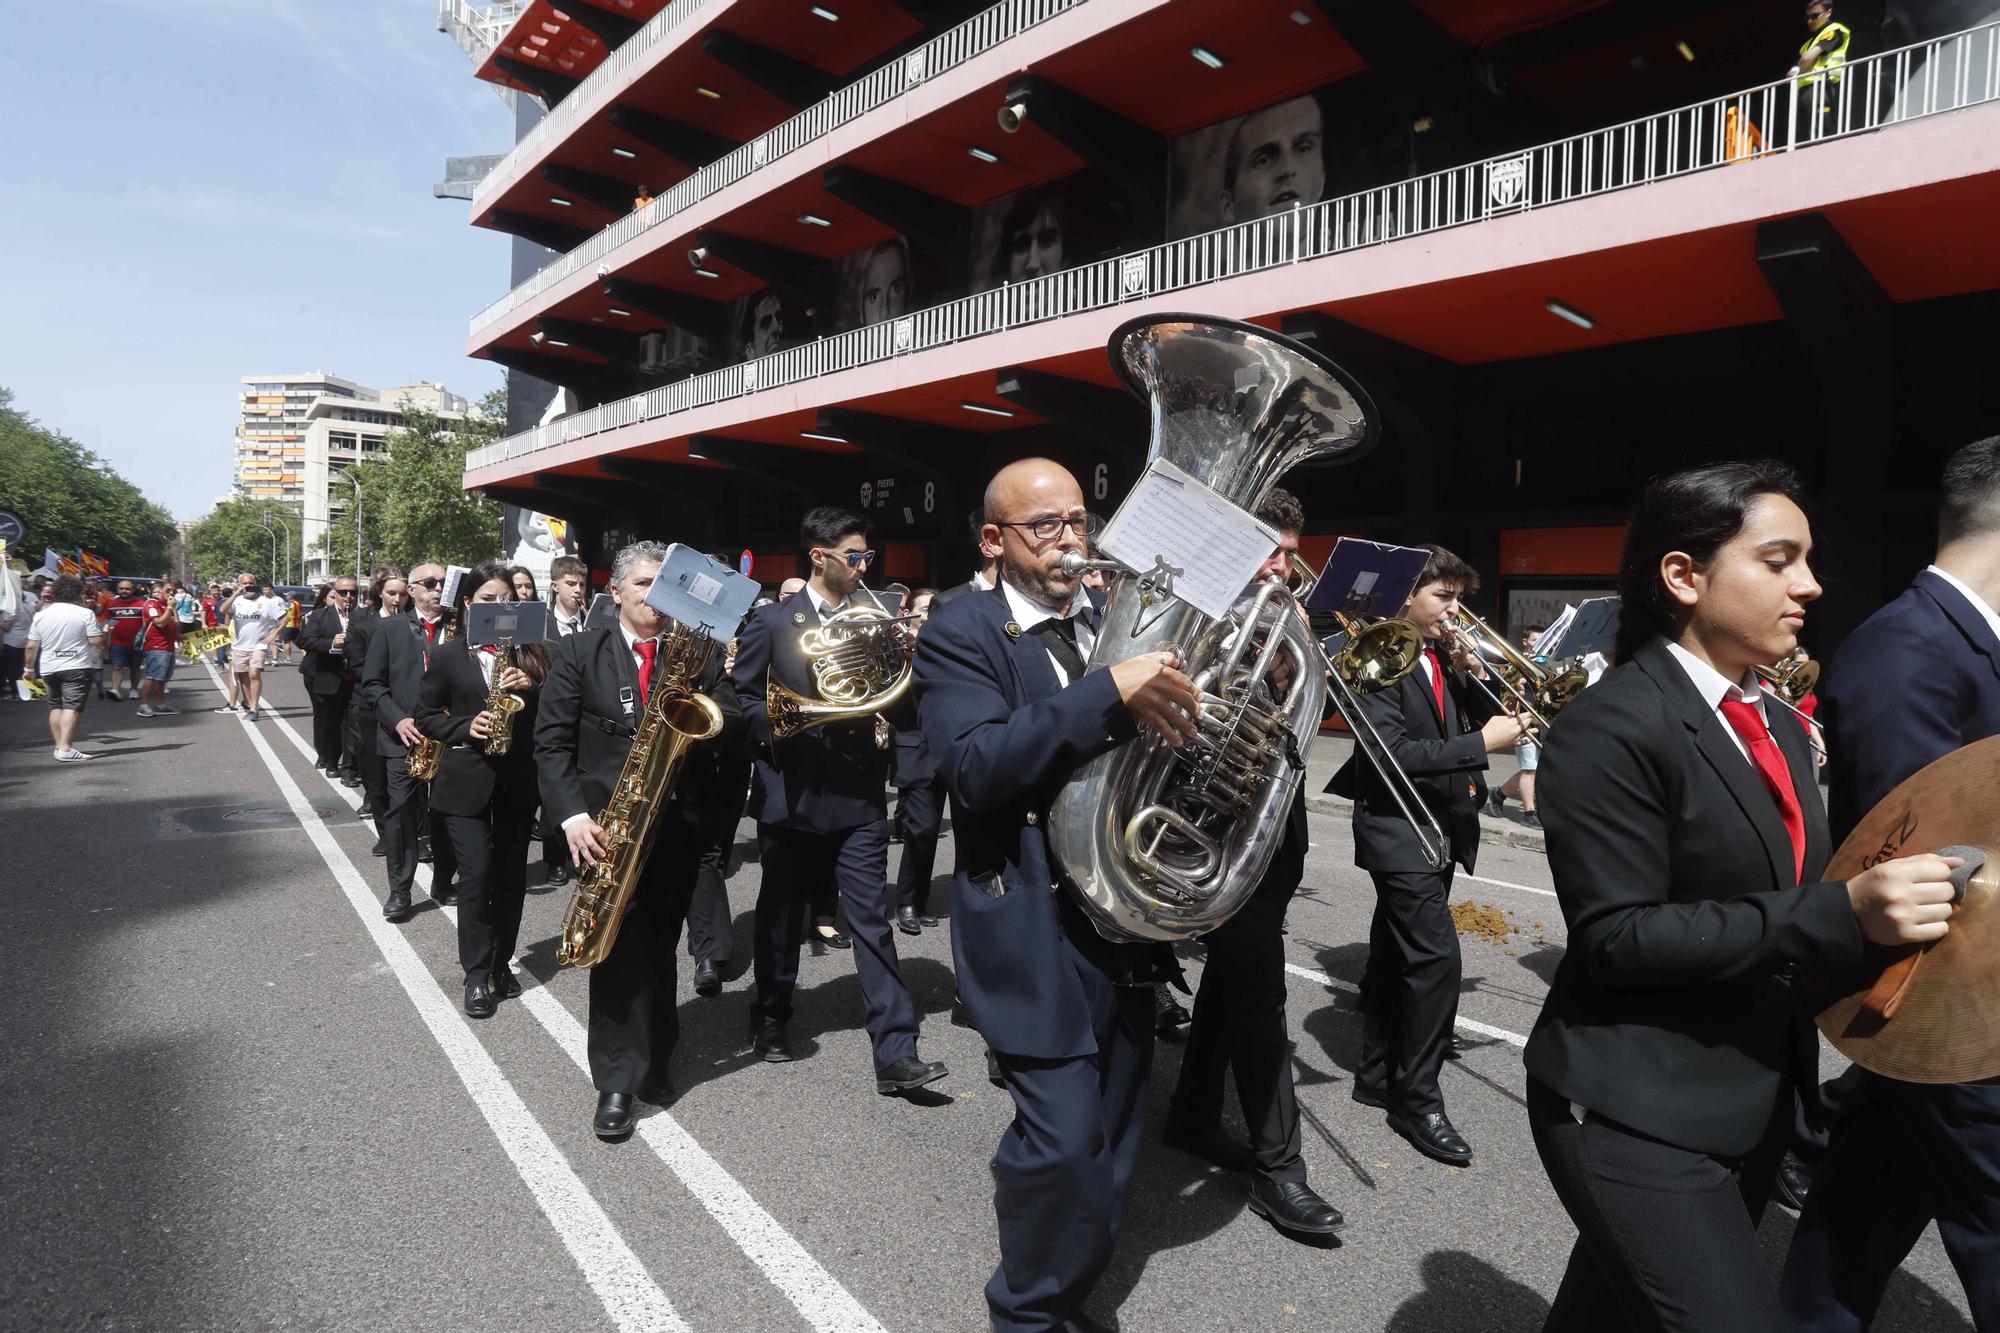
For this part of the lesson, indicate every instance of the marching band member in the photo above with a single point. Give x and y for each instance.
(1239, 1013)
(1010, 711)
(1685, 836)
(399, 652)
(710, 937)
(1912, 684)
(596, 691)
(487, 801)
(1439, 727)
(386, 597)
(821, 814)
(919, 802)
(323, 638)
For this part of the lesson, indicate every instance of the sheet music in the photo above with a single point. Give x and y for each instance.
(1210, 547)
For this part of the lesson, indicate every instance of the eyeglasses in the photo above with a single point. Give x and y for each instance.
(1049, 528)
(854, 559)
(432, 584)
(343, 592)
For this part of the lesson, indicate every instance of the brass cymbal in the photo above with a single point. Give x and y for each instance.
(1944, 1026)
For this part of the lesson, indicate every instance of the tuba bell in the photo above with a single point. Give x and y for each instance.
(1160, 843)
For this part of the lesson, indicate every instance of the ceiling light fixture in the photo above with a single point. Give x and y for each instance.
(814, 220)
(1576, 317)
(982, 154)
(558, 199)
(706, 273)
(989, 411)
(622, 314)
(822, 12)
(1206, 56)
(624, 152)
(708, 92)
(1687, 52)
(557, 342)
(1300, 17)
(816, 435)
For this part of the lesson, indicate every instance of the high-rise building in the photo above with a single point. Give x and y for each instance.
(299, 435)
(866, 253)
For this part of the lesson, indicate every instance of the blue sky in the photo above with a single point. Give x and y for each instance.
(197, 190)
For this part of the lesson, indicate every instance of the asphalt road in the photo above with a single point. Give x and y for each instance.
(233, 1097)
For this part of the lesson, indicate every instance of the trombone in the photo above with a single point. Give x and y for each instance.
(1788, 683)
(1534, 691)
(1377, 655)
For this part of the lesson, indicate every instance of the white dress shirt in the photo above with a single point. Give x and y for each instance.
(1714, 688)
(1028, 613)
(1978, 602)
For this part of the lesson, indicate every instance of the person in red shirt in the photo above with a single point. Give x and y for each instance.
(158, 641)
(125, 612)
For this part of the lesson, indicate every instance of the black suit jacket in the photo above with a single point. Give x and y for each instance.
(325, 666)
(1449, 770)
(359, 627)
(1674, 1010)
(911, 761)
(1006, 736)
(1919, 679)
(392, 682)
(583, 727)
(453, 694)
(821, 781)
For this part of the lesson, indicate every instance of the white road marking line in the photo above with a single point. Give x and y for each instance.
(1332, 982)
(630, 1296)
(1504, 884)
(824, 1303)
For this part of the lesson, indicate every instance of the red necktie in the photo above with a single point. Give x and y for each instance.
(430, 631)
(645, 648)
(1437, 685)
(1777, 774)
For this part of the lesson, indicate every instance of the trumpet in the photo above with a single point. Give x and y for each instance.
(1377, 655)
(1788, 683)
(1534, 691)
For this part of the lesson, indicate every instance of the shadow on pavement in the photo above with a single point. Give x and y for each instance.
(1463, 1292)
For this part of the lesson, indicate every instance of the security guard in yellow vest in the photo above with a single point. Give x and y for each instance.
(1818, 71)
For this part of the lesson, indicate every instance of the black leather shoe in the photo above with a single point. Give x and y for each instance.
(925, 919)
(840, 939)
(558, 877)
(772, 1048)
(1293, 1207)
(906, 921)
(378, 849)
(350, 780)
(479, 1001)
(707, 981)
(423, 851)
(397, 907)
(1454, 1047)
(1793, 1183)
(505, 984)
(1431, 1134)
(1369, 1095)
(444, 897)
(907, 1074)
(614, 1118)
(657, 1092)
(1207, 1142)
(1169, 1014)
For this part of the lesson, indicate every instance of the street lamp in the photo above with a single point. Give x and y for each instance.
(270, 532)
(356, 481)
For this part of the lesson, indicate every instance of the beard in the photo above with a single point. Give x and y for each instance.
(1044, 586)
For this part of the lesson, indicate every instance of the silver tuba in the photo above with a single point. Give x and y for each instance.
(1163, 843)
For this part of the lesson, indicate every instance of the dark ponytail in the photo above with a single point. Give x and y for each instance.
(1696, 511)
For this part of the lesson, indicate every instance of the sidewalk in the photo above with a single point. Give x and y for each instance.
(1330, 751)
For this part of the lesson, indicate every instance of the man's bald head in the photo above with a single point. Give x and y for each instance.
(1018, 495)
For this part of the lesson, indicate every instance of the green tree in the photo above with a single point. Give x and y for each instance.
(68, 497)
(415, 508)
(235, 537)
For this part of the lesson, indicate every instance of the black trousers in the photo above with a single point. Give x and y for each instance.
(922, 807)
(1239, 1027)
(856, 862)
(1666, 1236)
(710, 932)
(1901, 1155)
(11, 662)
(1064, 1166)
(329, 714)
(369, 759)
(491, 849)
(406, 817)
(1409, 990)
(634, 1009)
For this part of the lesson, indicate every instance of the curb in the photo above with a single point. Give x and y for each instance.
(1491, 830)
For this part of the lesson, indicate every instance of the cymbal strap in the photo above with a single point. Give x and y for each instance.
(1889, 988)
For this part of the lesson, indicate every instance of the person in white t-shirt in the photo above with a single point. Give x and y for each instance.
(257, 620)
(61, 650)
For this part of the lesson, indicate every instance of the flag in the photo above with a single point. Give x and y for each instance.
(93, 562)
(59, 562)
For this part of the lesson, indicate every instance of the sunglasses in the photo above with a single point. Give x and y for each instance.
(343, 592)
(432, 584)
(855, 559)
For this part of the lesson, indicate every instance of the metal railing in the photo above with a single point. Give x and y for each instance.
(977, 35)
(1910, 83)
(478, 29)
